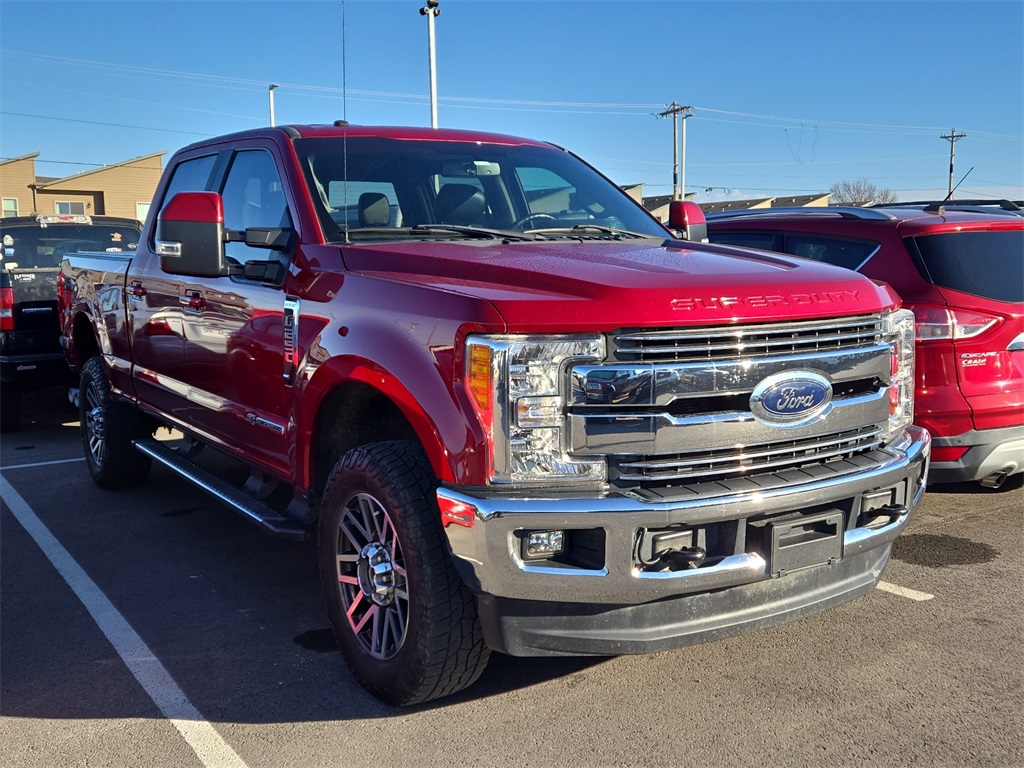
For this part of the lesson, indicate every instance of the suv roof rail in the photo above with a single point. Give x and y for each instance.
(842, 211)
(932, 206)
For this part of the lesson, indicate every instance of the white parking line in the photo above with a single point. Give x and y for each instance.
(208, 745)
(912, 594)
(42, 464)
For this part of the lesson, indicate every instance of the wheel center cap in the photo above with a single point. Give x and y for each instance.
(94, 421)
(376, 573)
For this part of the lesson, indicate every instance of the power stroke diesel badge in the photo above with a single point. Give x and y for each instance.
(791, 398)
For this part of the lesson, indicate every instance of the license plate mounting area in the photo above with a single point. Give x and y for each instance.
(800, 542)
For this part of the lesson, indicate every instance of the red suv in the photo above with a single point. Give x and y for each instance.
(960, 269)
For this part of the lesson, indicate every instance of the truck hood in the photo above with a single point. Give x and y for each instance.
(569, 284)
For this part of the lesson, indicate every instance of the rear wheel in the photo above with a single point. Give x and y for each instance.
(108, 428)
(406, 624)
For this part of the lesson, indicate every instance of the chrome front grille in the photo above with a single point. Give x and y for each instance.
(703, 465)
(671, 408)
(746, 341)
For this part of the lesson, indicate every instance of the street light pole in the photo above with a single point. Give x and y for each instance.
(271, 91)
(430, 10)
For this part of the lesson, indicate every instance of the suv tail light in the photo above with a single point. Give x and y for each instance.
(938, 323)
(6, 309)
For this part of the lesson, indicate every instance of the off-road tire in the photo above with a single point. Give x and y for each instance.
(108, 428)
(406, 624)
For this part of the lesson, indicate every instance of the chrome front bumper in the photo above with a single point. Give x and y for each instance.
(486, 551)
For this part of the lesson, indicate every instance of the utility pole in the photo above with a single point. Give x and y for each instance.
(952, 137)
(678, 173)
(430, 10)
(682, 159)
(271, 91)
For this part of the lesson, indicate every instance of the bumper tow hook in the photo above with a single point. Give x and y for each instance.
(691, 557)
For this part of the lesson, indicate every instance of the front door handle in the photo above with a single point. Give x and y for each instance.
(136, 291)
(192, 301)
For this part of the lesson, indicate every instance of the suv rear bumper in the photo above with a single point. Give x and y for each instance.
(35, 368)
(992, 452)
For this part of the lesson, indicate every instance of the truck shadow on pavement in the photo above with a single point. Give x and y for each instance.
(236, 617)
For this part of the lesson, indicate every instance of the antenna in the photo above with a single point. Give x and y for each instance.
(344, 116)
(950, 195)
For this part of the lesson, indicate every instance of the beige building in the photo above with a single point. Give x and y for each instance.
(658, 205)
(124, 189)
(804, 201)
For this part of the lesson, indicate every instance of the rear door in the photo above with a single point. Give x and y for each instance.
(980, 275)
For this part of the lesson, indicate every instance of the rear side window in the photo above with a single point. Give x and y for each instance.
(764, 241)
(989, 264)
(840, 251)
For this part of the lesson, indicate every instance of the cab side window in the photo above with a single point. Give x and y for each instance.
(253, 197)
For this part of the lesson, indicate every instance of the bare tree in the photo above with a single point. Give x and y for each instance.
(860, 192)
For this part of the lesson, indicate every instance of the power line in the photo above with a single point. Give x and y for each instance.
(482, 103)
(96, 122)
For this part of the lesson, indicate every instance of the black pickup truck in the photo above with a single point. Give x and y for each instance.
(31, 248)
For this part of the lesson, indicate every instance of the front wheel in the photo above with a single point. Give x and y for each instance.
(406, 624)
(108, 428)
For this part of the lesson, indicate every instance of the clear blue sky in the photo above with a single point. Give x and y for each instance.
(787, 97)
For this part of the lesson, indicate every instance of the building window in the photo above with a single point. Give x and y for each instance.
(10, 207)
(69, 208)
(141, 211)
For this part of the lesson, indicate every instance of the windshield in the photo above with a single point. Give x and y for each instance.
(392, 186)
(989, 264)
(35, 246)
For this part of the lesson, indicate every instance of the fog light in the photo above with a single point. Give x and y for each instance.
(541, 544)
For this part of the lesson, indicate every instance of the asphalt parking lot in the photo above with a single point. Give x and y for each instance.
(117, 609)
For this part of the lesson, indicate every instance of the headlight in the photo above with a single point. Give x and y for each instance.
(518, 388)
(899, 331)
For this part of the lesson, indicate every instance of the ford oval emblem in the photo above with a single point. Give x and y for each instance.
(791, 398)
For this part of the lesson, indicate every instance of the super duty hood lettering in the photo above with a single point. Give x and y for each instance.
(763, 301)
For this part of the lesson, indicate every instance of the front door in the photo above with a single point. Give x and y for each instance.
(234, 328)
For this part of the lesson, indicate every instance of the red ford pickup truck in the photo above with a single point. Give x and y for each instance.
(521, 414)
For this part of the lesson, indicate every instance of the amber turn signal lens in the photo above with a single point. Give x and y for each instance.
(480, 375)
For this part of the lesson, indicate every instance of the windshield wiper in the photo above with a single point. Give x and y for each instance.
(504, 234)
(442, 229)
(580, 229)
